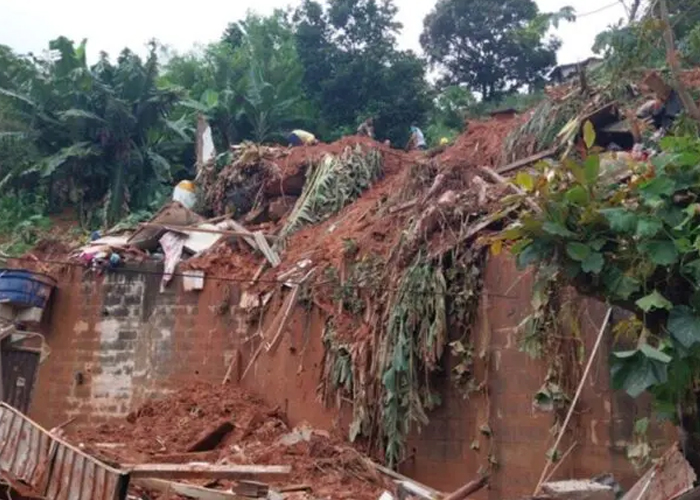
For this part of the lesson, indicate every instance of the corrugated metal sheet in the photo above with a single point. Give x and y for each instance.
(51, 467)
(19, 368)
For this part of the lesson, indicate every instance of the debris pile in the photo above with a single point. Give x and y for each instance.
(388, 245)
(222, 426)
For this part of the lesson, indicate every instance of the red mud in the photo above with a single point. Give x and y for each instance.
(226, 259)
(481, 144)
(330, 467)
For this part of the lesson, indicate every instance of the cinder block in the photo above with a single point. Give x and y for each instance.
(578, 490)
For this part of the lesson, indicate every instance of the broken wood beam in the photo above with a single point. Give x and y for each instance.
(400, 477)
(526, 161)
(211, 438)
(204, 471)
(187, 490)
(469, 488)
(251, 489)
(502, 180)
(187, 457)
(294, 488)
(572, 405)
(195, 229)
(235, 363)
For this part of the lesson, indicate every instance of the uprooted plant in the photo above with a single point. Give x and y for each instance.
(391, 390)
(632, 241)
(332, 184)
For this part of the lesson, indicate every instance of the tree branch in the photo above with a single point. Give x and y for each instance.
(672, 61)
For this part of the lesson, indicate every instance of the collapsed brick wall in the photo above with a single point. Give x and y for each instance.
(116, 341)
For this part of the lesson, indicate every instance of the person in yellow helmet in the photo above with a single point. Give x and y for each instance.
(301, 138)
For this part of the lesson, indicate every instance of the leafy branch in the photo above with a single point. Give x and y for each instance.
(628, 234)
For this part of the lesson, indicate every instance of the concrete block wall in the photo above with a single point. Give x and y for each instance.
(129, 342)
(117, 341)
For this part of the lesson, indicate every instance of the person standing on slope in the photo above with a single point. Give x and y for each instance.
(366, 128)
(302, 138)
(417, 140)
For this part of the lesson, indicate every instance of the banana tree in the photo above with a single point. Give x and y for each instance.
(103, 131)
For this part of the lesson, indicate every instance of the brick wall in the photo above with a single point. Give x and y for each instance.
(130, 342)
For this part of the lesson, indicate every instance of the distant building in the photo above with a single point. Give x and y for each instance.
(565, 72)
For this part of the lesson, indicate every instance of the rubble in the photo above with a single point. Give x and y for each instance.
(359, 230)
(578, 490)
(260, 436)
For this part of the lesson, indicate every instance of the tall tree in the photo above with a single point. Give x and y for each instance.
(492, 46)
(249, 85)
(353, 69)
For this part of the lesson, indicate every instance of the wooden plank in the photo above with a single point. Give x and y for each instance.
(187, 490)
(265, 248)
(400, 477)
(502, 180)
(195, 229)
(205, 471)
(253, 489)
(187, 457)
(527, 161)
(469, 488)
(250, 239)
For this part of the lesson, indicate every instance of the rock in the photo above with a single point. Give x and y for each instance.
(578, 490)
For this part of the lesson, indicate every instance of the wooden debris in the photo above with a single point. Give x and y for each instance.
(248, 236)
(409, 490)
(295, 487)
(469, 488)
(195, 229)
(575, 489)
(502, 180)
(211, 438)
(560, 461)
(400, 477)
(187, 457)
(252, 489)
(266, 250)
(204, 471)
(187, 490)
(526, 161)
(572, 406)
(235, 362)
(403, 206)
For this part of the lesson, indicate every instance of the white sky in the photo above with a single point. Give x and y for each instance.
(28, 25)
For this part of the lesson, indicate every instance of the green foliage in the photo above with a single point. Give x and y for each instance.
(417, 330)
(493, 47)
(249, 86)
(101, 133)
(333, 183)
(353, 69)
(634, 244)
(22, 220)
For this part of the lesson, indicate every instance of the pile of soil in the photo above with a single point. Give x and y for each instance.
(375, 222)
(480, 144)
(170, 425)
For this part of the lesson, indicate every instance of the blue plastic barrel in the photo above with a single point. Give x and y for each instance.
(24, 288)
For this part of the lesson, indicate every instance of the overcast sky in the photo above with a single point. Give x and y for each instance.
(28, 25)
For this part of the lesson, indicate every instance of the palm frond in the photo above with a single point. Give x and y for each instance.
(79, 150)
(20, 97)
(79, 114)
(335, 182)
